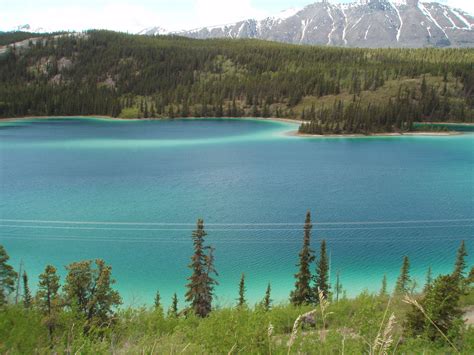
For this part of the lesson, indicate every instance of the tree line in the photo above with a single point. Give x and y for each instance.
(121, 75)
(88, 294)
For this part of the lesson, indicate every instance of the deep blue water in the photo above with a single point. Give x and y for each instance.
(134, 189)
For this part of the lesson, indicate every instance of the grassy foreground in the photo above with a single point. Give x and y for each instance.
(352, 327)
(81, 315)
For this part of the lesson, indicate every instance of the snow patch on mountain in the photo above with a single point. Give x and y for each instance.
(365, 23)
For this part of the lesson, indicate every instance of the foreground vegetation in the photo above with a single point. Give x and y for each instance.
(83, 314)
(337, 90)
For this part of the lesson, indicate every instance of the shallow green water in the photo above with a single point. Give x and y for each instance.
(134, 189)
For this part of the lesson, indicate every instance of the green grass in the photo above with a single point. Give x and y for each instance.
(352, 326)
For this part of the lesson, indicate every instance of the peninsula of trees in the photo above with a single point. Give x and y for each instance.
(333, 90)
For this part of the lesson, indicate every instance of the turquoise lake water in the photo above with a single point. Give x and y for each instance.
(130, 192)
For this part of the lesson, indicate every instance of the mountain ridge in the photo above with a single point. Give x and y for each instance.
(368, 23)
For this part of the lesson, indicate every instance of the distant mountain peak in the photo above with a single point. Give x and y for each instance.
(153, 31)
(28, 28)
(364, 23)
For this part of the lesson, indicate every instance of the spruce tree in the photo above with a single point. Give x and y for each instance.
(157, 300)
(383, 290)
(27, 299)
(201, 283)
(303, 293)
(7, 276)
(322, 271)
(441, 305)
(470, 278)
(267, 301)
(173, 311)
(48, 299)
(460, 264)
(429, 280)
(404, 279)
(338, 287)
(241, 300)
(90, 289)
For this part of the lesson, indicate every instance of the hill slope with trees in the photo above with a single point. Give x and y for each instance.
(339, 90)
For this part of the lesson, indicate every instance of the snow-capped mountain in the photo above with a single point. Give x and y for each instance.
(368, 23)
(28, 28)
(153, 31)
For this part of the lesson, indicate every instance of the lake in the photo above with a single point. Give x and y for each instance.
(130, 192)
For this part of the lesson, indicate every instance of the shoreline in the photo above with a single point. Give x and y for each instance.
(268, 119)
(387, 134)
(271, 119)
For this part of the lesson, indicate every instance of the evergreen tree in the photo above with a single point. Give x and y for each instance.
(145, 110)
(90, 290)
(383, 290)
(403, 280)
(48, 300)
(429, 280)
(241, 300)
(201, 284)
(7, 276)
(267, 301)
(470, 278)
(322, 271)
(142, 107)
(157, 300)
(27, 299)
(338, 287)
(460, 264)
(303, 293)
(441, 305)
(173, 311)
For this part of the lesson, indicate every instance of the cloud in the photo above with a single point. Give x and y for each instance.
(219, 12)
(465, 5)
(128, 16)
(110, 15)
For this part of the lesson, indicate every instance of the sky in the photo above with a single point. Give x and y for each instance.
(135, 15)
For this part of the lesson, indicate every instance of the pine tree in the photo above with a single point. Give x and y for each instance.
(441, 305)
(48, 300)
(470, 278)
(302, 293)
(27, 299)
(173, 311)
(90, 289)
(429, 281)
(404, 279)
(460, 264)
(322, 271)
(267, 301)
(338, 287)
(145, 110)
(241, 300)
(383, 290)
(201, 284)
(7, 276)
(157, 300)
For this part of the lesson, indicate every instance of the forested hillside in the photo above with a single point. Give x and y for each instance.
(337, 89)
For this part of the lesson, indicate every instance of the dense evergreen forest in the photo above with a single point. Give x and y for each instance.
(334, 90)
(82, 314)
(18, 36)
